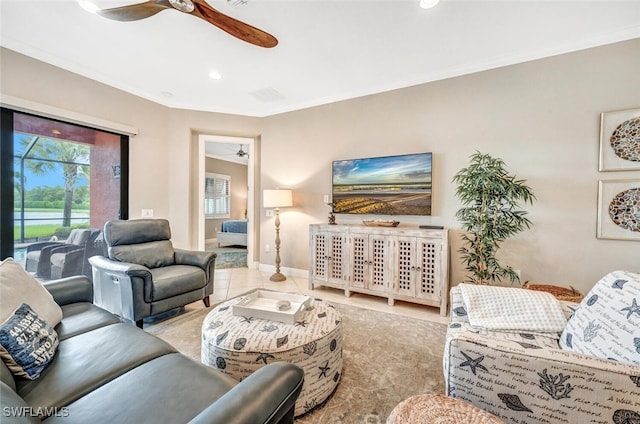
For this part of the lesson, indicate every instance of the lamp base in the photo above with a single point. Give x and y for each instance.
(277, 277)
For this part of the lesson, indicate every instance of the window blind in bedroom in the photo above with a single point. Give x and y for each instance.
(217, 195)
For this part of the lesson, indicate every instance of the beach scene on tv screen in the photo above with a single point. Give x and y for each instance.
(390, 185)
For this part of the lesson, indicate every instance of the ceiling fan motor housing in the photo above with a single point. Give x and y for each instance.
(185, 6)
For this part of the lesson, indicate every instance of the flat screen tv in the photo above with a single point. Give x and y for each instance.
(389, 185)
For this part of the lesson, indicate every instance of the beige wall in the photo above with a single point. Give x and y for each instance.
(541, 117)
(163, 156)
(238, 174)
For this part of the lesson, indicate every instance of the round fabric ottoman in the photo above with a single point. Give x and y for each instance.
(238, 346)
(439, 409)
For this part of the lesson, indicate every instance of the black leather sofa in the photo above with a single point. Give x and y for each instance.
(106, 371)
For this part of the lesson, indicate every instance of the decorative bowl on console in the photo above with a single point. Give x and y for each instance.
(380, 222)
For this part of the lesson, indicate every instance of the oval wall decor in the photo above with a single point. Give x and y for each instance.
(625, 140)
(619, 209)
(624, 209)
(620, 140)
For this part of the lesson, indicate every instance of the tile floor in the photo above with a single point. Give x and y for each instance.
(232, 282)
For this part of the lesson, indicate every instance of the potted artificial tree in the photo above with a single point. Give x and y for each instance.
(490, 214)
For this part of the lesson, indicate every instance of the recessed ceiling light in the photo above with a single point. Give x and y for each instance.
(88, 5)
(215, 75)
(428, 4)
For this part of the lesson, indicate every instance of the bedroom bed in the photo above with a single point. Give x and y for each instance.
(233, 233)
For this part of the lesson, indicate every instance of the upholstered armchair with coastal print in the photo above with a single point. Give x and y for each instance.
(528, 358)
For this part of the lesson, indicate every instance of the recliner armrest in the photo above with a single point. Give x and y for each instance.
(196, 258)
(70, 290)
(267, 396)
(132, 270)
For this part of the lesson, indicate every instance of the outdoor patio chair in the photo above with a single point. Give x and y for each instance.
(38, 255)
(70, 260)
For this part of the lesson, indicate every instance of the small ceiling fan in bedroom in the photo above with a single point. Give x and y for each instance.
(197, 8)
(241, 153)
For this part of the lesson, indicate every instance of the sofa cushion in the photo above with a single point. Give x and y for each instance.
(607, 323)
(19, 287)
(152, 254)
(180, 388)
(6, 376)
(89, 360)
(170, 281)
(27, 343)
(82, 317)
(14, 408)
(140, 241)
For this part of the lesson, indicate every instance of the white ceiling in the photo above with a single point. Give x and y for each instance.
(328, 50)
(227, 148)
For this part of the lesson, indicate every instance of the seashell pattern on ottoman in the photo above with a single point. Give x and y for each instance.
(238, 346)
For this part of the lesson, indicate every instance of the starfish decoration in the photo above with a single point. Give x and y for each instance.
(323, 370)
(264, 357)
(302, 324)
(618, 284)
(633, 309)
(248, 320)
(473, 364)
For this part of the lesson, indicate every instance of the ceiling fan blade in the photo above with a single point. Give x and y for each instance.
(233, 26)
(134, 12)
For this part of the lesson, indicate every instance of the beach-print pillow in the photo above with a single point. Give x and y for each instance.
(607, 324)
(27, 343)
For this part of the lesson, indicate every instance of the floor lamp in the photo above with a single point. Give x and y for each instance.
(278, 198)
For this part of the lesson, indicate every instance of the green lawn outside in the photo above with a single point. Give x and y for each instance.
(35, 231)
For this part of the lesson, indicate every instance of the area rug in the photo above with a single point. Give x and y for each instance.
(387, 358)
(229, 256)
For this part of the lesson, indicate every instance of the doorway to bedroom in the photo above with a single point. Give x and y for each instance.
(226, 203)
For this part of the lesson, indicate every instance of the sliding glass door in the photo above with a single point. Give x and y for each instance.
(60, 183)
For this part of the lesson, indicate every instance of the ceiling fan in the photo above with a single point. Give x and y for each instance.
(197, 8)
(241, 153)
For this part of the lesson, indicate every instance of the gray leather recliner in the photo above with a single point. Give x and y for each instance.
(144, 275)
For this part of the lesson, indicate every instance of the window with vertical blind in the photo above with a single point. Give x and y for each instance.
(217, 202)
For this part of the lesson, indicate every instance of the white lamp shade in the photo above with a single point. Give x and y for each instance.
(278, 198)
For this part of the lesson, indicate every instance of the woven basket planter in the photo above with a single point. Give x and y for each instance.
(561, 293)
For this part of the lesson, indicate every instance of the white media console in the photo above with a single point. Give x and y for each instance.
(398, 263)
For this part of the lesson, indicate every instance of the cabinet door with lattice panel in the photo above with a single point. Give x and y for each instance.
(328, 257)
(429, 280)
(405, 272)
(336, 272)
(379, 254)
(359, 260)
(320, 246)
